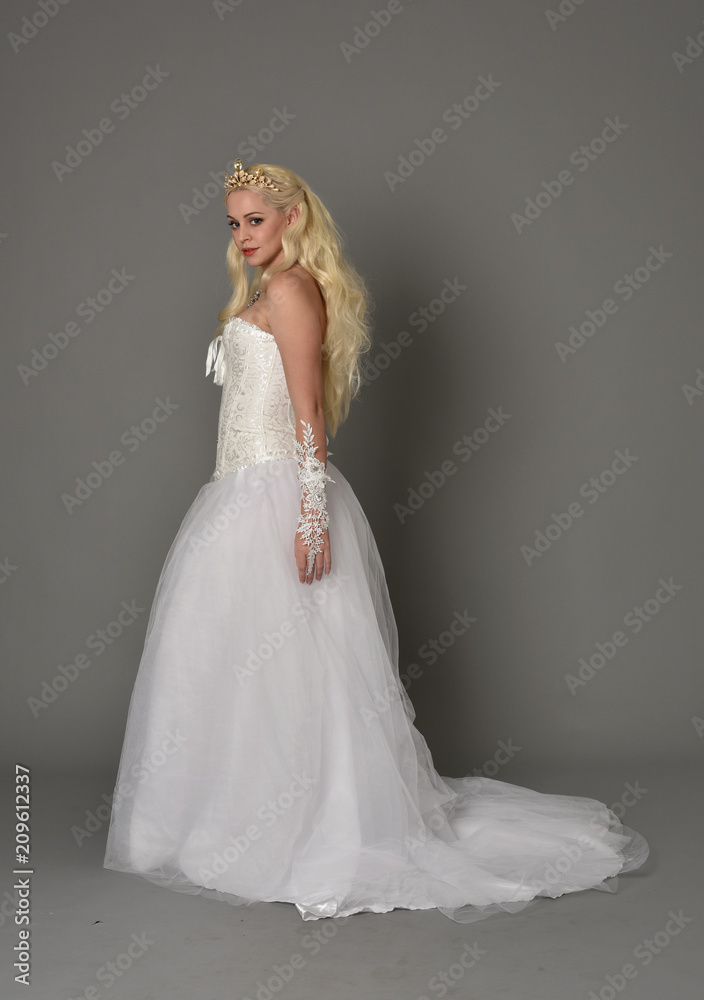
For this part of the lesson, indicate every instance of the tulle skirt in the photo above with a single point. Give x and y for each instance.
(270, 752)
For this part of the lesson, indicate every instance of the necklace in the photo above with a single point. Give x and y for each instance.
(254, 298)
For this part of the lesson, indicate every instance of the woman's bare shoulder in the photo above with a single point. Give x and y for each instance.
(295, 291)
(296, 282)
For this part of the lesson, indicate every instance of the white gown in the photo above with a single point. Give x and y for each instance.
(270, 752)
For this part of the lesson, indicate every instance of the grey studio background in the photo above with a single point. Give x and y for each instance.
(522, 191)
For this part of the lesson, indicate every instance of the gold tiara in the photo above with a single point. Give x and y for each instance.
(241, 177)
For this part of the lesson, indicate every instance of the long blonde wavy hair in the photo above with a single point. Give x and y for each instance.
(313, 241)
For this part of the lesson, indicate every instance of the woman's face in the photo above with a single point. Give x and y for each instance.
(256, 228)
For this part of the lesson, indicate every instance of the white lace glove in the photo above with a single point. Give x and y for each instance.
(312, 476)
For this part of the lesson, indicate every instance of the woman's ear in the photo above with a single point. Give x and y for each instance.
(293, 214)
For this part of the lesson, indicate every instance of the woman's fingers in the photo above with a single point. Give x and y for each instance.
(322, 563)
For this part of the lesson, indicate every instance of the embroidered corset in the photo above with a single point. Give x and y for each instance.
(256, 422)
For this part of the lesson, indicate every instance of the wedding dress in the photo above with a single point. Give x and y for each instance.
(270, 752)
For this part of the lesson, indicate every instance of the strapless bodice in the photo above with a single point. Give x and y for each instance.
(256, 422)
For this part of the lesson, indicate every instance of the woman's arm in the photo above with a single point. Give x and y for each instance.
(293, 314)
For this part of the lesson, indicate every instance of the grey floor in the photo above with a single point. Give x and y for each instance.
(578, 947)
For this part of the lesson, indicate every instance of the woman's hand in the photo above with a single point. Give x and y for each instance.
(323, 559)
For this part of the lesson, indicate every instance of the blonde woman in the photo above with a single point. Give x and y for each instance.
(270, 752)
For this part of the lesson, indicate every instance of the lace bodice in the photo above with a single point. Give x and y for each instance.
(256, 422)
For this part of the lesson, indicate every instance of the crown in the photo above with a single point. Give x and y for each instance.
(241, 177)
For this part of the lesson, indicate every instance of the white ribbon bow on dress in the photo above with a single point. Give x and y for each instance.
(216, 360)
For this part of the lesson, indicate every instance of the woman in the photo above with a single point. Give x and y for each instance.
(270, 752)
